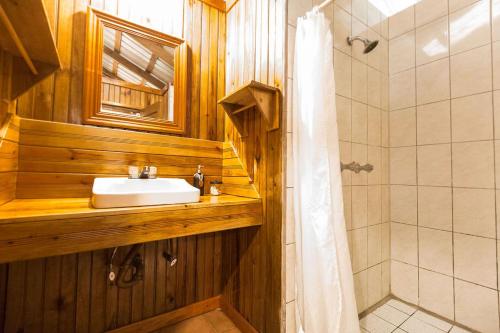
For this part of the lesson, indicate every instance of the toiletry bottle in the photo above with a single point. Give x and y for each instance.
(199, 180)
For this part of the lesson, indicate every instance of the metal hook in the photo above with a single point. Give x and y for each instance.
(356, 167)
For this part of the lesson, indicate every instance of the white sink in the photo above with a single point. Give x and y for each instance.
(125, 192)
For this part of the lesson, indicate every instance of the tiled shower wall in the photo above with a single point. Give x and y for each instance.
(362, 84)
(445, 158)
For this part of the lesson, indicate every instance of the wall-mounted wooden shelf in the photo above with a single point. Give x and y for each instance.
(25, 33)
(253, 96)
(35, 228)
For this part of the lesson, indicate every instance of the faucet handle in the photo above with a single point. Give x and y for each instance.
(133, 171)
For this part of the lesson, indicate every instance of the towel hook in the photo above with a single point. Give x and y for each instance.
(356, 167)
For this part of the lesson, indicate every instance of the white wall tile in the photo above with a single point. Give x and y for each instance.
(475, 259)
(436, 293)
(435, 250)
(471, 72)
(404, 243)
(476, 306)
(470, 27)
(404, 281)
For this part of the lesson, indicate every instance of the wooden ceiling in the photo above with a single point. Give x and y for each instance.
(161, 75)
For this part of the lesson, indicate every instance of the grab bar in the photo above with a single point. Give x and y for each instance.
(356, 167)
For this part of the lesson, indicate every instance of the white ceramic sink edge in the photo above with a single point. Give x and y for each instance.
(125, 192)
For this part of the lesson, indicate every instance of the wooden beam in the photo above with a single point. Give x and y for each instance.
(114, 71)
(133, 67)
(156, 49)
(218, 4)
(110, 74)
(17, 41)
(118, 40)
(152, 62)
(150, 110)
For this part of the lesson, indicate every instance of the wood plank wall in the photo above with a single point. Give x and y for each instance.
(71, 293)
(9, 132)
(133, 99)
(61, 160)
(8, 158)
(252, 257)
(59, 97)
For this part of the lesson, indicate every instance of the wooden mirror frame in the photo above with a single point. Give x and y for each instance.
(94, 40)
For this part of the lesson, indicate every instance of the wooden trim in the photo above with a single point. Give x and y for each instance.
(218, 4)
(243, 325)
(196, 309)
(17, 41)
(132, 67)
(172, 317)
(92, 115)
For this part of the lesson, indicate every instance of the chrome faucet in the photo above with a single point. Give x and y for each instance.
(147, 172)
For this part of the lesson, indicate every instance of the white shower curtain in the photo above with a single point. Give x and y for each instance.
(324, 282)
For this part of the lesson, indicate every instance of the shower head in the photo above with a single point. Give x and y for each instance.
(369, 44)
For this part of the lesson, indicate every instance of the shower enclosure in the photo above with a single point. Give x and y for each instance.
(422, 108)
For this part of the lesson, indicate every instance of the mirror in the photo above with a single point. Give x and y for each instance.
(135, 77)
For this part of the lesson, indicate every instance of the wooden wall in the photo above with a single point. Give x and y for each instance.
(252, 257)
(59, 97)
(71, 293)
(131, 99)
(9, 132)
(9, 137)
(61, 160)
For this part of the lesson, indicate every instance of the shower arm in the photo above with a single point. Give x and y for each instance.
(350, 40)
(356, 167)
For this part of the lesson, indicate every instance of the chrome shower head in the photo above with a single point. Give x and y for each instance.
(369, 44)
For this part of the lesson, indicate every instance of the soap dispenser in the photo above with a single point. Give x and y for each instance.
(199, 180)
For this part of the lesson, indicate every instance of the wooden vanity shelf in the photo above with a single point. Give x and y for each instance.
(35, 228)
(253, 96)
(32, 45)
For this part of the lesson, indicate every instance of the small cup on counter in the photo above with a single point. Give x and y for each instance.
(215, 187)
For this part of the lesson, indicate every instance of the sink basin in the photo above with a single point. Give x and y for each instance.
(125, 192)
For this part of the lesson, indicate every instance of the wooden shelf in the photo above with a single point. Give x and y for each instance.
(35, 228)
(253, 96)
(25, 33)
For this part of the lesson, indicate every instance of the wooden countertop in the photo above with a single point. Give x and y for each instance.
(22, 210)
(33, 228)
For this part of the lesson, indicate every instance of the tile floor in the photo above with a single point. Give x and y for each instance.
(398, 317)
(211, 322)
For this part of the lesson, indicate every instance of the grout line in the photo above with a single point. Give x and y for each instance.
(443, 230)
(454, 277)
(494, 148)
(443, 100)
(446, 143)
(416, 152)
(441, 186)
